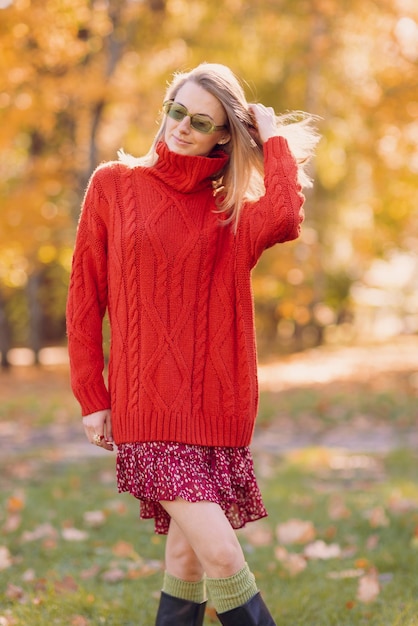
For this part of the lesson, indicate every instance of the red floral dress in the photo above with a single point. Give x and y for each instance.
(155, 471)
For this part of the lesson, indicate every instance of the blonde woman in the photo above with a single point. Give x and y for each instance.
(167, 243)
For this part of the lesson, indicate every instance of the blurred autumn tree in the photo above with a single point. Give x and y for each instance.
(81, 78)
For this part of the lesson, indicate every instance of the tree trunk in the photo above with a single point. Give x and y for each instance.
(5, 335)
(35, 314)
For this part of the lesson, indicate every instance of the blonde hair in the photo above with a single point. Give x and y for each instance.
(243, 177)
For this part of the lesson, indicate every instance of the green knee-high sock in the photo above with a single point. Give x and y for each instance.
(229, 593)
(193, 591)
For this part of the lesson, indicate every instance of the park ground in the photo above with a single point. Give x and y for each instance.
(336, 454)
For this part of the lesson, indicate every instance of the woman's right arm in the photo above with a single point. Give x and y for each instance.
(87, 301)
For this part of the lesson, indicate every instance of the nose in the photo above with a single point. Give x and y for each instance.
(184, 125)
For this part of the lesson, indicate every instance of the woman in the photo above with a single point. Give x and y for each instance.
(167, 243)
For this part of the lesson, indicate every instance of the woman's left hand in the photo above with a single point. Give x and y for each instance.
(265, 119)
(98, 428)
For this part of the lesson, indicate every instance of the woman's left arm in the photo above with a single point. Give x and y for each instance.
(277, 216)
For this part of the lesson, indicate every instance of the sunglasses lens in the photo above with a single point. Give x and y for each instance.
(176, 111)
(202, 123)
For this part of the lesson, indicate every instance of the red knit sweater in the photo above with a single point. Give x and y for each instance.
(177, 287)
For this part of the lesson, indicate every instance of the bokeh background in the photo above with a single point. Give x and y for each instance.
(80, 79)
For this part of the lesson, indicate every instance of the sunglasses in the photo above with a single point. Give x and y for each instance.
(200, 122)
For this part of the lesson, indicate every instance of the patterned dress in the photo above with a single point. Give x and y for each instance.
(155, 471)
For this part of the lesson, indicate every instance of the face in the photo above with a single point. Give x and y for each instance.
(181, 137)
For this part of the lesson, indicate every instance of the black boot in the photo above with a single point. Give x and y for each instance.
(177, 612)
(252, 613)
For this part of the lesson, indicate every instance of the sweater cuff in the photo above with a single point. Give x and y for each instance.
(92, 398)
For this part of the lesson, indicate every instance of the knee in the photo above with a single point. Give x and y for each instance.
(224, 559)
(183, 562)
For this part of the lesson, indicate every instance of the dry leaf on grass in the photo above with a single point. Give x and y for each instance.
(398, 504)
(91, 572)
(295, 531)
(43, 531)
(79, 620)
(94, 519)
(372, 542)
(66, 585)
(74, 534)
(113, 575)
(337, 508)
(7, 620)
(258, 534)
(12, 523)
(321, 550)
(125, 550)
(5, 558)
(368, 587)
(15, 593)
(292, 562)
(346, 573)
(377, 517)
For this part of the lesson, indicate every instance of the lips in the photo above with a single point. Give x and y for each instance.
(180, 140)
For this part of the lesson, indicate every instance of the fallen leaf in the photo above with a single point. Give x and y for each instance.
(141, 572)
(292, 562)
(346, 573)
(397, 504)
(16, 502)
(113, 575)
(321, 550)
(79, 620)
(295, 531)
(40, 532)
(337, 509)
(372, 542)
(5, 558)
(12, 523)
(124, 549)
(14, 593)
(258, 534)
(66, 585)
(29, 575)
(91, 572)
(74, 534)
(7, 620)
(94, 518)
(377, 517)
(368, 587)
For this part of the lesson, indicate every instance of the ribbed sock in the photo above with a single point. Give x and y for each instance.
(192, 591)
(229, 593)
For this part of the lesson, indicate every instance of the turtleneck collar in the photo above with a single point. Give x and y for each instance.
(188, 174)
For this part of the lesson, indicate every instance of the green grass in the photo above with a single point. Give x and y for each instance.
(339, 403)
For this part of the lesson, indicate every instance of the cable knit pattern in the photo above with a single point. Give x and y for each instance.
(177, 284)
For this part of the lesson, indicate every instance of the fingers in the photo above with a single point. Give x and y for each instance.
(98, 429)
(265, 119)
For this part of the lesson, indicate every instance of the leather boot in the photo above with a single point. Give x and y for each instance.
(252, 613)
(177, 612)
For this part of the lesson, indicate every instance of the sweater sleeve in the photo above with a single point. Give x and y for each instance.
(277, 216)
(86, 304)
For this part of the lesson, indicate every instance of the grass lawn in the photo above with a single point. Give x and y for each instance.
(340, 545)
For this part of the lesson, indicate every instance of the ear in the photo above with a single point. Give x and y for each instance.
(224, 140)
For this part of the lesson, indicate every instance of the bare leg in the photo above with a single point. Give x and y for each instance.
(209, 536)
(180, 558)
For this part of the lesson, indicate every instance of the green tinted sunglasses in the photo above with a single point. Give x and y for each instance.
(200, 122)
